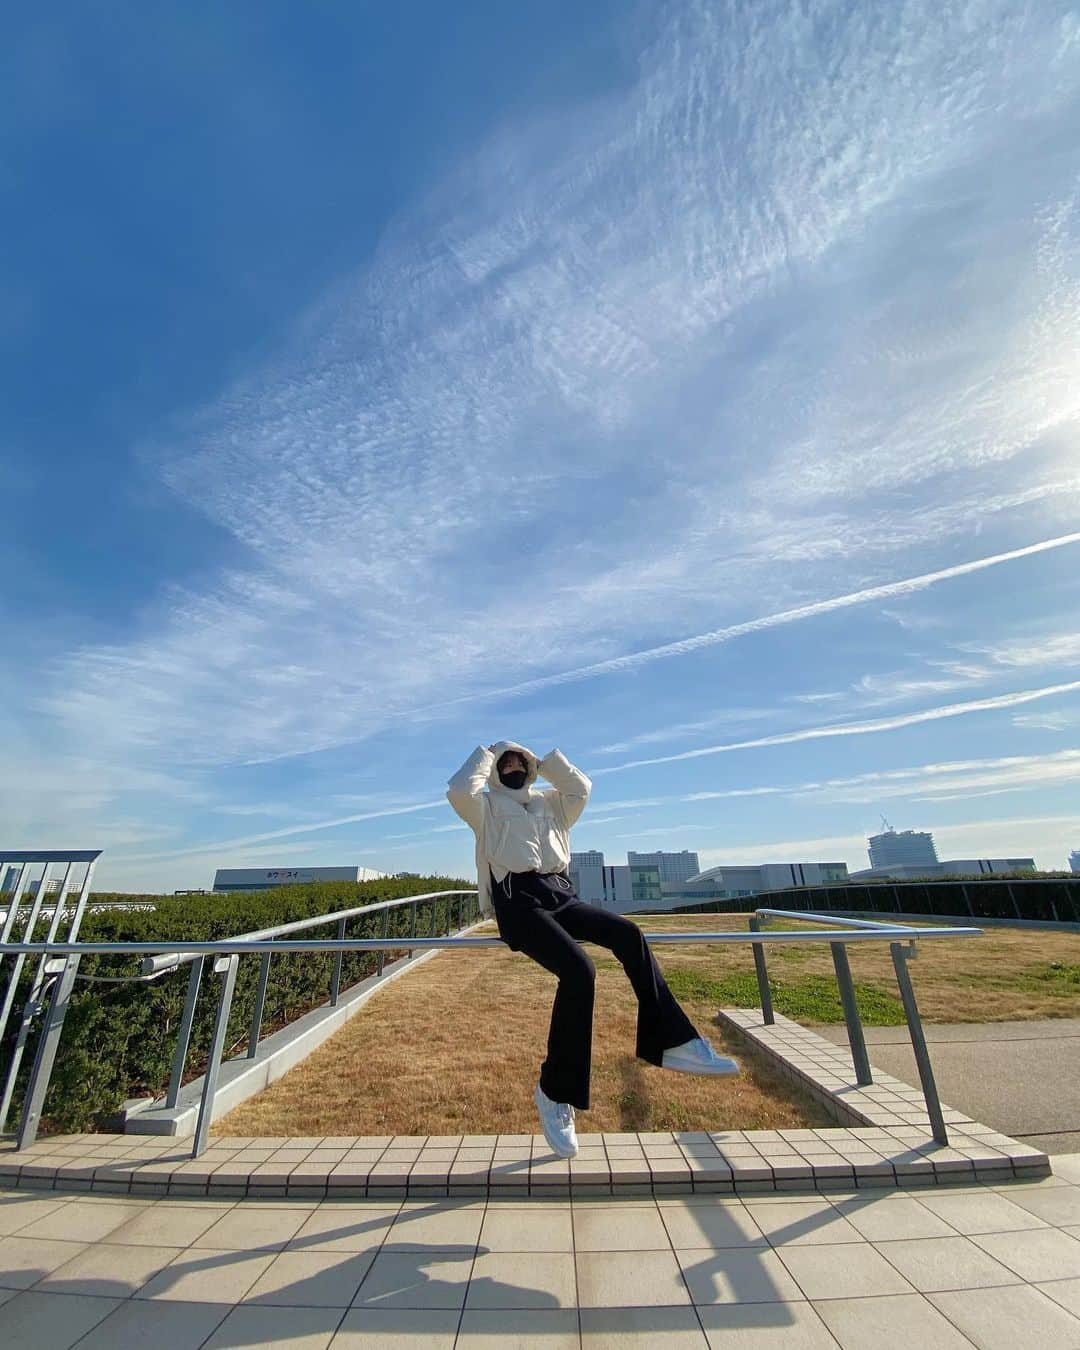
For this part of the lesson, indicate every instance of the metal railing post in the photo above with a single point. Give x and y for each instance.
(764, 992)
(183, 1031)
(856, 1039)
(45, 1056)
(335, 979)
(901, 954)
(385, 930)
(260, 1004)
(227, 967)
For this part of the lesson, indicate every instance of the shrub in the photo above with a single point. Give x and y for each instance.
(118, 1039)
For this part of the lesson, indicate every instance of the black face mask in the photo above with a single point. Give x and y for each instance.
(513, 778)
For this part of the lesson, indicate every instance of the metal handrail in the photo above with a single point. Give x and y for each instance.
(902, 939)
(162, 956)
(174, 957)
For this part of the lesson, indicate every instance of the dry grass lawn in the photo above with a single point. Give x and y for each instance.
(454, 1046)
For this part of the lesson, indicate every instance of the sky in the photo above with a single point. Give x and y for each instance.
(694, 387)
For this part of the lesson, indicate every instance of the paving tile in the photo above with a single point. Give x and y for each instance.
(18, 1210)
(343, 1228)
(641, 1328)
(252, 1228)
(980, 1213)
(311, 1279)
(429, 1279)
(24, 1261)
(82, 1221)
(164, 1326)
(932, 1264)
(1057, 1204)
(519, 1329)
(765, 1326)
(842, 1271)
(737, 1276)
(1043, 1254)
(893, 1322)
(296, 1328)
(711, 1226)
(527, 1230)
(629, 1280)
(168, 1224)
(1005, 1319)
(398, 1329)
(620, 1230)
(881, 1220)
(202, 1275)
(522, 1280)
(435, 1225)
(1064, 1292)
(38, 1321)
(797, 1224)
(108, 1270)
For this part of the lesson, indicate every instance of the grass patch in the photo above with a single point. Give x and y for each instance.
(809, 998)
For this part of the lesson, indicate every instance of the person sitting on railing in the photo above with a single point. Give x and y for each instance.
(522, 855)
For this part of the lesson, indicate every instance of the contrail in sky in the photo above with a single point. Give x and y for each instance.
(857, 728)
(889, 591)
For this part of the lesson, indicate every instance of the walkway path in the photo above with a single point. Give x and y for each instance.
(940, 1267)
(1021, 1077)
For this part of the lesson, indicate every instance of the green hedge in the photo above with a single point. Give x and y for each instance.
(118, 1039)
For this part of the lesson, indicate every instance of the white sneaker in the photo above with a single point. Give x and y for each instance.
(698, 1056)
(557, 1122)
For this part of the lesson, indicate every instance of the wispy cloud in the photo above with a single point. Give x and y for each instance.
(519, 313)
(861, 728)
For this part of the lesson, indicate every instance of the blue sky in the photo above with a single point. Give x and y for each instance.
(694, 387)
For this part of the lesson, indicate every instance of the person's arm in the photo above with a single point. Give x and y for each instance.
(465, 791)
(571, 785)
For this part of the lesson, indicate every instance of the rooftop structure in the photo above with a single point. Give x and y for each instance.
(679, 866)
(266, 878)
(950, 867)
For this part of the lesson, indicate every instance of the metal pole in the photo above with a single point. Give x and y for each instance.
(335, 978)
(183, 1032)
(227, 967)
(385, 929)
(764, 992)
(13, 903)
(856, 1040)
(901, 955)
(45, 1057)
(20, 960)
(31, 1008)
(260, 1003)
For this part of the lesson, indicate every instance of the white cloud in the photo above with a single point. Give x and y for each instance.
(861, 728)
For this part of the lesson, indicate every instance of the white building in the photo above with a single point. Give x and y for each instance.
(266, 878)
(903, 849)
(679, 866)
(950, 867)
(735, 881)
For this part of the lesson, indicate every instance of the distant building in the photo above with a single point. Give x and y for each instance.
(906, 848)
(950, 867)
(736, 881)
(266, 878)
(679, 866)
(1074, 860)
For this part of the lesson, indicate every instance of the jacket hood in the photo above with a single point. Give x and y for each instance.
(532, 766)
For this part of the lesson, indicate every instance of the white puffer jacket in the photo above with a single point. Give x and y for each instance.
(523, 829)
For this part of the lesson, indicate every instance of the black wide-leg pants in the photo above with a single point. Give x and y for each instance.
(540, 915)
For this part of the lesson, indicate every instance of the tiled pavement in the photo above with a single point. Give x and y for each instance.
(994, 1266)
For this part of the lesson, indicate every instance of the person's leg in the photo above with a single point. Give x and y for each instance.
(564, 1075)
(662, 1024)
